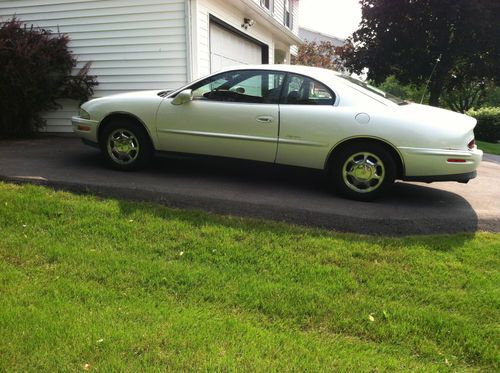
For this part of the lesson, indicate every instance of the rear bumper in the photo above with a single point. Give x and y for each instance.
(422, 164)
(461, 178)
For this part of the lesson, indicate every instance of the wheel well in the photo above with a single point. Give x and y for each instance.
(123, 117)
(394, 153)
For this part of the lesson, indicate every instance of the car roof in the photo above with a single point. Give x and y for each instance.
(329, 77)
(321, 74)
(299, 69)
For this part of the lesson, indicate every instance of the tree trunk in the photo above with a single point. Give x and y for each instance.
(434, 99)
(436, 85)
(435, 93)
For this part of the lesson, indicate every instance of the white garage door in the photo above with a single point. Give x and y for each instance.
(228, 49)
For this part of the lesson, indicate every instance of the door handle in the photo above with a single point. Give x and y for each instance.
(265, 119)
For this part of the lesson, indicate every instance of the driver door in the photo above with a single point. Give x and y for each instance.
(232, 114)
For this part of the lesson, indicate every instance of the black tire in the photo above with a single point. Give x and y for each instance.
(363, 171)
(136, 148)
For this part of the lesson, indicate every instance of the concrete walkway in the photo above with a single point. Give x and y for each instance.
(260, 190)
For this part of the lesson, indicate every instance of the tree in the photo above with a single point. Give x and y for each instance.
(415, 40)
(492, 99)
(36, 70)
(467, 95)
(323, 54)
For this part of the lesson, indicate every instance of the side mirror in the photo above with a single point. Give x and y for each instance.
(183, 97)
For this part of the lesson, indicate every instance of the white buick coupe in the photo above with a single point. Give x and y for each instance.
(293, 115)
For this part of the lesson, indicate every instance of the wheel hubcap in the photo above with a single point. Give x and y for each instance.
(363, 172)
(123, 146)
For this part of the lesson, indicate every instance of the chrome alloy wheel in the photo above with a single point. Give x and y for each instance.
(363, 172)
(123, 146)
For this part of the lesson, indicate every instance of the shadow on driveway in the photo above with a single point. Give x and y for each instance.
(251, 189)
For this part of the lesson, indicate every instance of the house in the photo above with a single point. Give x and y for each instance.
(309, 35)
(161, 44)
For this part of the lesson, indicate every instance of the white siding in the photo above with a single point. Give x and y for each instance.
(295, 17)
(133, 45)
(278, 10)
(278, 13)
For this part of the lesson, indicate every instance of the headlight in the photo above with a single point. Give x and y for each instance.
(83, 114)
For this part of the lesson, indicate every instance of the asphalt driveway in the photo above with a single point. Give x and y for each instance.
(260, 190)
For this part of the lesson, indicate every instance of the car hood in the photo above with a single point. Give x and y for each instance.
(137, 94)
(438, 117)
(120, 98)
(139, 103)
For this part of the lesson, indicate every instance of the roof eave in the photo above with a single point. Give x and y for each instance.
(289, 36)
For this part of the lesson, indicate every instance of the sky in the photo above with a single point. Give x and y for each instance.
(335, 17)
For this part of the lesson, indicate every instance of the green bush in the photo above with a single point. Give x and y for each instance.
(488, 123)
(36, 70)
(409, 92)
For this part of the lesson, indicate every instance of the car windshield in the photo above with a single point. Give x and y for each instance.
(375, 90)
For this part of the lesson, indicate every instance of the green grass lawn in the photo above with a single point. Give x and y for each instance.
(128, 286)
(488, 147)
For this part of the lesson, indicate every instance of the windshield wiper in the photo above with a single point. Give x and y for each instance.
(164, 93)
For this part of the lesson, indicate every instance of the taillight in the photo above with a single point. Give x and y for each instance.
(471, 144)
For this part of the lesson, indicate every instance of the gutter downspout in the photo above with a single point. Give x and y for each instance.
(190, 53)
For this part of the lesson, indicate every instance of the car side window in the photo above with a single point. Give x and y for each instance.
(241, 86)
(301, 90)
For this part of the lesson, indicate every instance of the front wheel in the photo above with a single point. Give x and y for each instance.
(363, 171)
(125, 146)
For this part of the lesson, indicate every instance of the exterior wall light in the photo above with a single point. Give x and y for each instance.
(247, 22)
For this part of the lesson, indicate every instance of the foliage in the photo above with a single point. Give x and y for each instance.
(492, 97)
(79, 87)
(488, 123)
(460, 99)
(408, 92)
(464, 90)
(323, 54)
(414, 39)
(36, 71)
(137, 287)
(488, 147)
(464, 97)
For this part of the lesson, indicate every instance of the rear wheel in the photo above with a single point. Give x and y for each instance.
(125, 145)
(363, 171)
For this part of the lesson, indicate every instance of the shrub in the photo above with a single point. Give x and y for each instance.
(408, 92)
(36, 71)
(488, 123)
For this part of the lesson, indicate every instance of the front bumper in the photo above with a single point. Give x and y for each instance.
(85, 128)
(422, 164)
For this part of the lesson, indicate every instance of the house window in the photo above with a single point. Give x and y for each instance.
(268, 4)
(288, 14)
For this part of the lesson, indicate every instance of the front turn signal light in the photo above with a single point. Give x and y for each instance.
(83, 128)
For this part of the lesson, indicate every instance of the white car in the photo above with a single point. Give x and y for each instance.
(293, 115)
